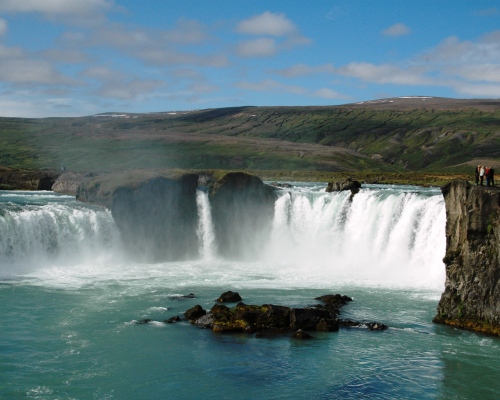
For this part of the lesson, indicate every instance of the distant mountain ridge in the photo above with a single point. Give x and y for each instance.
(414, 133)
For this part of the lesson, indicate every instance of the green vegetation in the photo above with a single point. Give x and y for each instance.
(392, 137)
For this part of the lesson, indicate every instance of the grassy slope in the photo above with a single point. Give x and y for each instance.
(390, 136)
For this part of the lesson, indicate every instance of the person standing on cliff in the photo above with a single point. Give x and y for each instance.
(481, 174)
(491, 176)
(487, 175)
(476, 174)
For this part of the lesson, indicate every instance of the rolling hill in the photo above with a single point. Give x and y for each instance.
(393, 135)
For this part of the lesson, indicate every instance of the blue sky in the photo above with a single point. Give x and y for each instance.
(81, 57)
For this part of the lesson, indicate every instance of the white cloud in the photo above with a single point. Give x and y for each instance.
(396, 30)
(20, 68)
(153, 47)
(454, 51)
(261, 47)
(477, 72)
(267, 24)
(276, 33)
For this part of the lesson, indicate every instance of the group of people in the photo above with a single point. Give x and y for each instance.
(485, 172)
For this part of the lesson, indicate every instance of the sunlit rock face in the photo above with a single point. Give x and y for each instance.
(472, 291)
(158, 218)
(242, 211)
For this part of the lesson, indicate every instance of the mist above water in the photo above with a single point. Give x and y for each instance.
(387, 236)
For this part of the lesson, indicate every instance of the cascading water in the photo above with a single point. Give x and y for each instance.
(206, 235)
(385, 236)
(40, 229)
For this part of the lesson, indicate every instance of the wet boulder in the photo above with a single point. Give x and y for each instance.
(306, 318)
(194, 313)
(327, 325)
(229, 297)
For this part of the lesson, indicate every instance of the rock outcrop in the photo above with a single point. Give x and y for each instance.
(158, 219)
(348, 184)
(471, 298)
(69, 182)
(242, 205)
(16, 179)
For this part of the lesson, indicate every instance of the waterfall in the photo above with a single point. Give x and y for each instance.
(383, 235)
(387, 235)
(42, 229)
(205, 232)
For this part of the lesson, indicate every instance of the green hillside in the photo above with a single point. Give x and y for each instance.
(413, 134)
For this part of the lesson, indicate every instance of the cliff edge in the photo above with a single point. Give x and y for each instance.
(471, 298)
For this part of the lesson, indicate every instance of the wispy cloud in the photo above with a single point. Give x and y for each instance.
(276, 32)
(21, 68)
(268, 24)
(397, 30)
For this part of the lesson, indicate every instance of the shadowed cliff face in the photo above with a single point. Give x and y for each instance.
(158, 219)
(472, 291)
(242, 210)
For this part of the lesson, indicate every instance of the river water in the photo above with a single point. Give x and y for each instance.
(71, 297)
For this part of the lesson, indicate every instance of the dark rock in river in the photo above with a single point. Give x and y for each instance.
(173, 320)
(307, 318)
(194, 313)
(348, 184)
(229, 297)
(471, 298)
(274, 318)
(328, 325)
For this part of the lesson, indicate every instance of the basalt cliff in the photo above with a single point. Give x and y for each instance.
(471, 298)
